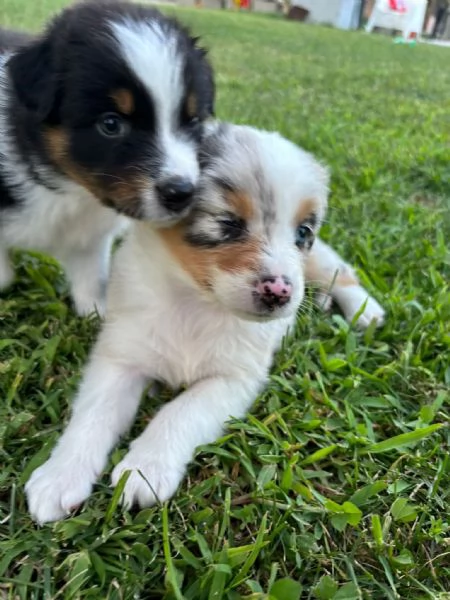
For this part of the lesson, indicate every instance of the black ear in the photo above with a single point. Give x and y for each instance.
(211, 86)
(206, 75)
(32, 73)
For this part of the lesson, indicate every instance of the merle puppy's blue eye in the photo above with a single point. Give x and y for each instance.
(304, 236)
(111, 125)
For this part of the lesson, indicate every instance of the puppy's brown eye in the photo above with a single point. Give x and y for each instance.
(111, 125)
(304, 236)
(232, 229)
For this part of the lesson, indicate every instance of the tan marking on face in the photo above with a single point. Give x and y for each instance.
(239, 256)
(57, 143)
(203, 263)
(321, 274)
(126, 195)
(242, 205)
(124, 100)
(306, 208)
(57, 140)
(192, 105)
(123, 194)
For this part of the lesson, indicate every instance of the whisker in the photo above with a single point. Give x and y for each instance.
(119, 179)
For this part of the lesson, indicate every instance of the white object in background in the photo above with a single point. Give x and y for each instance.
(348, 17)
(409, 22)
(430, 25)
(320, 11)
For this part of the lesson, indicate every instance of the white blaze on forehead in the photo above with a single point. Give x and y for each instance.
(293, 175)
(180, 155)
(297, 181)
(151, 52)
(273, 170)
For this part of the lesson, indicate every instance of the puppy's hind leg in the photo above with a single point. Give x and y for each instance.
(337, 281)
(87, 270)
(6, 270)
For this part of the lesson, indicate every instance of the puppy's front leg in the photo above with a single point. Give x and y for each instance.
(103, 410)
(336, 280)
(6, 271)
(157, 459)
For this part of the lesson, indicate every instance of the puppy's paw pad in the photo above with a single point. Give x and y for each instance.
(150, 481)
(55, 489)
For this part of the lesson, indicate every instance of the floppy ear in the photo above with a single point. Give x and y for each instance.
(211, 86)
(206, 75)
(34, 79)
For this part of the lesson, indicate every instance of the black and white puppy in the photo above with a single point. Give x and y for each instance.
(100, 115)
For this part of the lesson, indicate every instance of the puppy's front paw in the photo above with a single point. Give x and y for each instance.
(150, 480)
(56, 488)
(352, 298)
(372, 312)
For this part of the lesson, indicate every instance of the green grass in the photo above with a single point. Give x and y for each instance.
(337, 485)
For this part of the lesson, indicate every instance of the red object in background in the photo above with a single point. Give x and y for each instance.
(397, 6)
(245, 3)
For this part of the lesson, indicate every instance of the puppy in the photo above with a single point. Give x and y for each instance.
(101, 115)
(205, 304)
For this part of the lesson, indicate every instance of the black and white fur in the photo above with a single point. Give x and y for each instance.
(100, 115)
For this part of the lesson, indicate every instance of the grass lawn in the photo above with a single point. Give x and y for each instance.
(337, 485)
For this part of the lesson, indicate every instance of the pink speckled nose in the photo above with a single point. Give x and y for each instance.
(274, 291)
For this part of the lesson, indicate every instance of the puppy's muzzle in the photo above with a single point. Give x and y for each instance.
(176, 194)
(273, 291)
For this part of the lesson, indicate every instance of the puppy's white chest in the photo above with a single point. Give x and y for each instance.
(183, 341)
(202, 346)
(54, 220)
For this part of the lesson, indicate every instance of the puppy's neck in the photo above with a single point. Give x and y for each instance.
(160, 264)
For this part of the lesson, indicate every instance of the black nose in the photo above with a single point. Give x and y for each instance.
(175, 193)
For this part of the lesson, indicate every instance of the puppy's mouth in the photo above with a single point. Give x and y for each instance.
(264, 315)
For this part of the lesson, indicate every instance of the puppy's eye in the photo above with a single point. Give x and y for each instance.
(111, 125)
(232, 228)
(304, 236)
